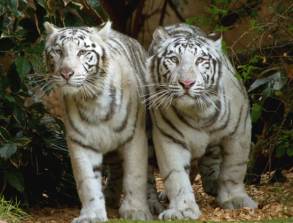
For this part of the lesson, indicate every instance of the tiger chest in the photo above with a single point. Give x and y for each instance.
(98, 130)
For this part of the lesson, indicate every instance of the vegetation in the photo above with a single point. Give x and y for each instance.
(11, 212)
(34, 164)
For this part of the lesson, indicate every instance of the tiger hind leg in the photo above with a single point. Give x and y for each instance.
(209, 168)
(153, 196)
(113, 173)
(231, 190)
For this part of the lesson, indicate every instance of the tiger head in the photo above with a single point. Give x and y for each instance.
(185, 68)
(76, 58)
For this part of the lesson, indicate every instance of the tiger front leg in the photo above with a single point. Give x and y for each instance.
(231, 191)
(88, 178)
(173, 160)
(135, 156)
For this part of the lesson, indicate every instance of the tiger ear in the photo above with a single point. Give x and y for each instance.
(160, 34)
(216, 39)
(105, 30)
(218, 43)
(50, 28)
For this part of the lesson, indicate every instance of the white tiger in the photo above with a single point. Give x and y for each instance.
(198, 106)
(99, 73)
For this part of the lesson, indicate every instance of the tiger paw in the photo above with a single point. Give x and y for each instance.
(134, 210)
(162, 195)
(210, 186)
(239, 202)
(89, 219)
(155, 206)
(176, 214)
(136, 214)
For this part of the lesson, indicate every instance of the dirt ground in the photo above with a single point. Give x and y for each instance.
(275, 202)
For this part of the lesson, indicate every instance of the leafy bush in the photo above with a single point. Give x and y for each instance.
(34, 164)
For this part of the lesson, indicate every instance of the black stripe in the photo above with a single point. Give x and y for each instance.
(219, 73)
(170, 137)
(226, 121)
(237, 123)
(71, 122)
(213, 119)
(182, 119)
(168, 122)
(81, 144)
(169, 174)
(247, 116)
(158, 69)
(130, 137)
(125, 119)
(112, 105)
(152, 70)
(83, 116)
(97, 168)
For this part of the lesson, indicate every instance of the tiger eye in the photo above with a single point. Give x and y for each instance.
(58, 52)
(199, 60)
(174, 59)
(81, 52)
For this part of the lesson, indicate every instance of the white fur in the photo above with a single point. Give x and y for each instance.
(101, 135)
(175, 149)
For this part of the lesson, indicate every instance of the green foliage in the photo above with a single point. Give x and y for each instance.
(256, 111)
(284, 144)
(247, 70)
(11, 212)
(34, 164)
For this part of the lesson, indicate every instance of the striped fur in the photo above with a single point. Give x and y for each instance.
(100, 74)
(200, 114)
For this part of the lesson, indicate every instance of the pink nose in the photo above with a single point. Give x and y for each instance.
(66, 73)
(186, 84)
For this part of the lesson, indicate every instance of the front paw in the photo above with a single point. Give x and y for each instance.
(134, 210)
(155, 206)
(136, 214)
(239, 202)
(176, 214)
(89, 219)
(87, 216)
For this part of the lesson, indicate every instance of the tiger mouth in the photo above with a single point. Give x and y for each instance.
(71, 85)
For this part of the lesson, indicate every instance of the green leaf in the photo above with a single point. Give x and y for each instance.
(23, 66)
(15, 179)
(23, 141)
(7, 150)
(42, 3)
(256, 112)
(280, 151)
(290, 151)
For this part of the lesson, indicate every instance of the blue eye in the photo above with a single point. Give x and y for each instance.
(81, 52)
(58, 52)
(174, 59)
(199, 60)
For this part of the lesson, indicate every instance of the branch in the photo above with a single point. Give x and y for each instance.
(269, 51)
(177, 13)
(163, 13)
(138, 19)
(117, 13)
